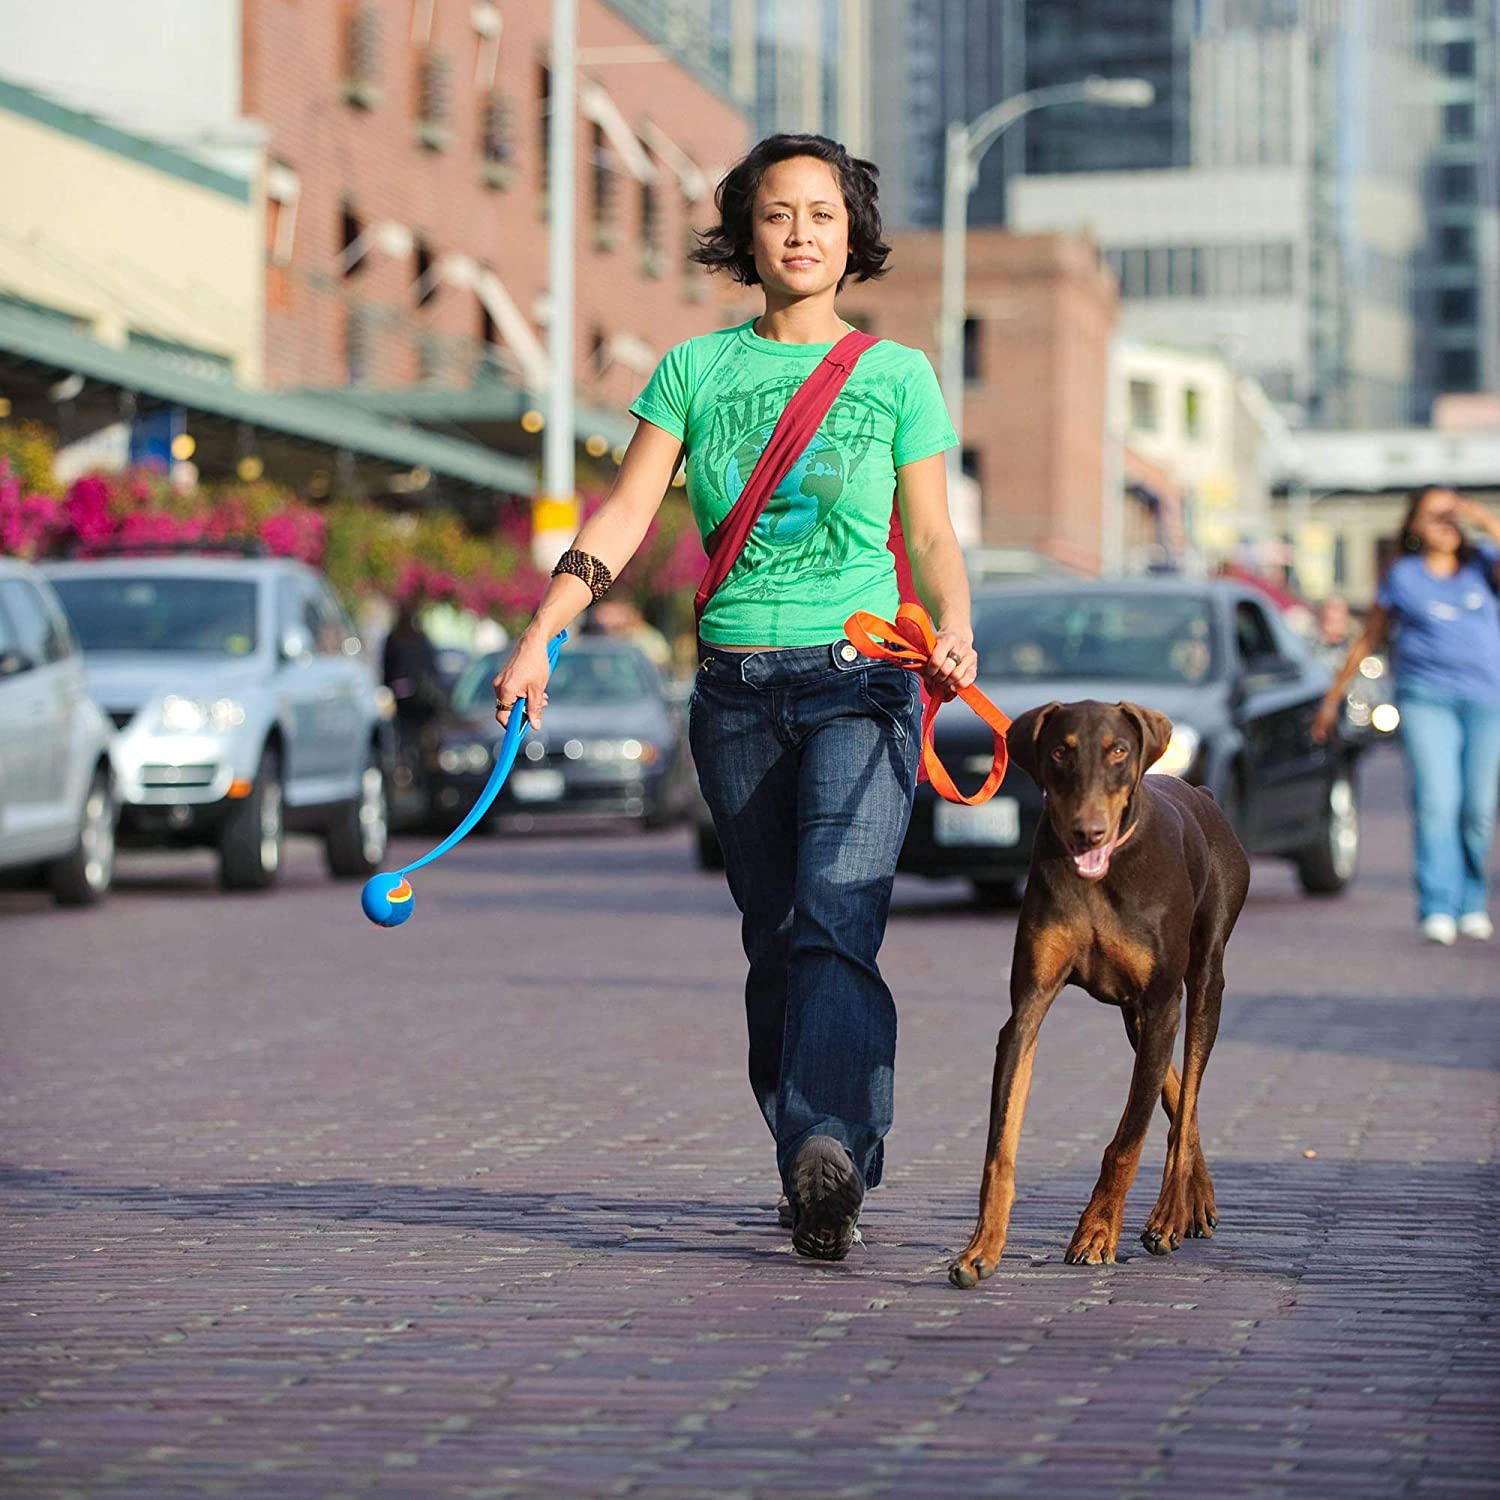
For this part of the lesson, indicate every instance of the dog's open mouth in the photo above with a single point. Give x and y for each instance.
(1093, 864)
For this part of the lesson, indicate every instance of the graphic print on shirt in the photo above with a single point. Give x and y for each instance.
(800, 536)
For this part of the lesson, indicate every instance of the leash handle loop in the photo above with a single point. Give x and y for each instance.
(908, 641)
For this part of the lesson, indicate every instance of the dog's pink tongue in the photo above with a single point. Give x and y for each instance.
(1094, 863)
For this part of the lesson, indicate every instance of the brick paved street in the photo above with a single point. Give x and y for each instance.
(483, 1207)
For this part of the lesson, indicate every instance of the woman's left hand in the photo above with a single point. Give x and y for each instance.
(952, 666)
(1480, 517)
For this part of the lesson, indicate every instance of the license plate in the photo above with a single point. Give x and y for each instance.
(996, 823)
(536, 786)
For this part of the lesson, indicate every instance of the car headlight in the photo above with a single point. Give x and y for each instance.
(606, 752)
(456, 758)
(194, 715)
(1178, 755)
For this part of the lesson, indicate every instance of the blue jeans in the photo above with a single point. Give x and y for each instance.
(808, 760)
(1453, 750)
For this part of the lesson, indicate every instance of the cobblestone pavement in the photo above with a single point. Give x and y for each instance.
(483, 1207)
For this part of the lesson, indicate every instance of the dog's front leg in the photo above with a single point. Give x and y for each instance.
(1098, 1231)
(1032, 994)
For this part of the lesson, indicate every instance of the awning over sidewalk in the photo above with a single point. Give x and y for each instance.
(48, 348)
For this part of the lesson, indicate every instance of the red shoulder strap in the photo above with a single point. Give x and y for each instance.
(794, 430)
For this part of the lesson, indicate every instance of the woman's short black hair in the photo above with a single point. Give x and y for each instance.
(729, 245)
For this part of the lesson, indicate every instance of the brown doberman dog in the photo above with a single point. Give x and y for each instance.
(1135, 886)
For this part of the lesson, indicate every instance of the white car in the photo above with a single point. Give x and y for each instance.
(57, 798)
(243, 705)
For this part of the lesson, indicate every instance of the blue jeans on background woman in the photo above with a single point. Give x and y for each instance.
(1453, 750)
(808, 761)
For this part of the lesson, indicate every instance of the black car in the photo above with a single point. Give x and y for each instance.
(1239, 686)
(611, 743)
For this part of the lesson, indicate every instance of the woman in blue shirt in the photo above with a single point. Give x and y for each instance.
(1440, 606)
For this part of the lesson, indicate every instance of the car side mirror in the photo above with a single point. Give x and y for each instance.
(13, 663)
(294, 645)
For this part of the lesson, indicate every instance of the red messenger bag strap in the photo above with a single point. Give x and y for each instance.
(795, 429)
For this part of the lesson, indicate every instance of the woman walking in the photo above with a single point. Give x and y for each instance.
(806, 750)
(1438, 605)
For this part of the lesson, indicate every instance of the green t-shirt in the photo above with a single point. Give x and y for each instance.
(819, 550)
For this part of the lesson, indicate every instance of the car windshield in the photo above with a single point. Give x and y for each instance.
(582, 677)
(207, 616)
(1165, 637)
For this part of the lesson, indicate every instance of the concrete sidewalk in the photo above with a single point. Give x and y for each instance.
(483, 1207)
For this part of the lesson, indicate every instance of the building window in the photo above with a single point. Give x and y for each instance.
(1456, 305)
(1458, 122)
(351, 232)
(1278, 270)
(1192, 412)
(1459, 370)
(1340, 561)
(362, 55)
(1185, 276)
(1142, 406)
(544, 116)
(602, 178)
(496, 141)
(1458, 59)
(1456, 182)
(1456, 244)
(423, 262)
(973, 360)
(652, 262)
(283, 195)
(357, 342)
(434, 101)
(1458, 7)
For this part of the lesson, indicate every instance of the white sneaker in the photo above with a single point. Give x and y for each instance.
(1477, 925)
(1440, 928)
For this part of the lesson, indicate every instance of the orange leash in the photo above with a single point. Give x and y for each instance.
(909, 643)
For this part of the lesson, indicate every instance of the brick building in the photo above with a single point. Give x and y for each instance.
(1041, 310)
(406, 193)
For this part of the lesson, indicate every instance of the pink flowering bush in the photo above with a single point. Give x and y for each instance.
(419, 557)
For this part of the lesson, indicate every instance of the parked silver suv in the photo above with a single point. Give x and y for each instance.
(57, 805)
(243, 707)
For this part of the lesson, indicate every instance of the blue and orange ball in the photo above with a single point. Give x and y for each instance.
(387, 900)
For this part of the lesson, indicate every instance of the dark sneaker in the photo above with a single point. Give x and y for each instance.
(826, 1194)
(784, 1211)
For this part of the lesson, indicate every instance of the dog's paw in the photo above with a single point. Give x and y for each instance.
(1203, 1211)
(1093, 1243)
(976, 1264)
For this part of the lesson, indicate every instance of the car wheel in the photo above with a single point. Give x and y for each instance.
(250, 846)
(357, 835)
(710, 853)
(1327, 865)
(85, 875)
(998, 895)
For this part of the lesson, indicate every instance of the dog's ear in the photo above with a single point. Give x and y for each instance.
(1155, 730)
(1022, 736)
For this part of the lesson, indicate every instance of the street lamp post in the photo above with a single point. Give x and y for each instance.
(555, 514)
(966, 147)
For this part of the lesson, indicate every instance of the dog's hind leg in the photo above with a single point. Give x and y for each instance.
(1186, 1206)
(1201, 1184)
(1098, 1230)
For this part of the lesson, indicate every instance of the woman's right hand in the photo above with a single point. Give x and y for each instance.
(1325, 721)
(523, 676)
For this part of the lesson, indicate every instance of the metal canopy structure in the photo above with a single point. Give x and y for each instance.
(306, 432)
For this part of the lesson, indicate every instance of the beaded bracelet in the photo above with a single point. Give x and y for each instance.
(589, 568)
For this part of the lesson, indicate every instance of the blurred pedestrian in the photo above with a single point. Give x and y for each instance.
(409, 668)
(1334, 624)
(806, 751)
(1438, 605)
(622, 619)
